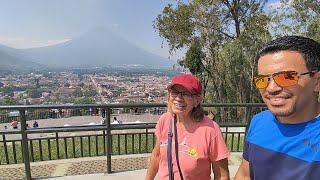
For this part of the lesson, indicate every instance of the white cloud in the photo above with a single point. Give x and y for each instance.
(25, 43)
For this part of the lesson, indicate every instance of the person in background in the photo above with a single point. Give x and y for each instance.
(198, 142)
(90, 111)
(283, 142)
(115, 120)
(97, 112)
(35, 124)
(14, 124)
(60, 113)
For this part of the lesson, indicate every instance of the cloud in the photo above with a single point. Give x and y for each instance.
(25, 43)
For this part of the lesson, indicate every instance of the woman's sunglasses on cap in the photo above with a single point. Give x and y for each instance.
(283, 78)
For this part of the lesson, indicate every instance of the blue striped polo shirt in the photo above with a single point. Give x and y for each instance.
(282, 151)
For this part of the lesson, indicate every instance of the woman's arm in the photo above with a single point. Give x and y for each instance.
(154, 162)
(243, 172)
(220, 169)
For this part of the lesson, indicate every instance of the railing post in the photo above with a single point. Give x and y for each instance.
(25, 148)
(108, 139)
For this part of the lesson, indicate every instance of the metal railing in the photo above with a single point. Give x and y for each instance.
(19, 145)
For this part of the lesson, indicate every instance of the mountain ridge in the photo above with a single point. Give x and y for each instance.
(12, 63)
(96, 48)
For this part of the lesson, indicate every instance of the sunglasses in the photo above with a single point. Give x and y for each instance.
(185, 94)
(282, 79)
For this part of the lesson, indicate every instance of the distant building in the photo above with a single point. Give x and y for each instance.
(65, 92)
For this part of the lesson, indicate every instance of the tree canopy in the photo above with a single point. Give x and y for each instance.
(222, 37)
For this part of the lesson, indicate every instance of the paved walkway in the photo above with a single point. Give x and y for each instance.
(123, 167)
(137, 174)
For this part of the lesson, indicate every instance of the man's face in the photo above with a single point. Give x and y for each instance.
(292, 101)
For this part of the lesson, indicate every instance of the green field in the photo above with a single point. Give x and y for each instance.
(75, 147)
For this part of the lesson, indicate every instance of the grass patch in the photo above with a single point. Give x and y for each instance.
(91, 145)
(75, 147)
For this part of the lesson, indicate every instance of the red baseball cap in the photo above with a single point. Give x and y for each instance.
(188, 81)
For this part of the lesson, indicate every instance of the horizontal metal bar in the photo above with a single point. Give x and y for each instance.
(97, 128)
(82, 128)
(24, 107)
(235, 105)
(14, 131)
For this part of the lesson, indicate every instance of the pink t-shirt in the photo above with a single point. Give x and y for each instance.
(199, 146)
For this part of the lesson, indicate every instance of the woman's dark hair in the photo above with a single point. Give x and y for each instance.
(309, 49)
(198, 113)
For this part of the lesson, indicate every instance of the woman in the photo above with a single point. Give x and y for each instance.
(199, 144)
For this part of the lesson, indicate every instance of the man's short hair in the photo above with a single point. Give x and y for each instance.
(309, 49)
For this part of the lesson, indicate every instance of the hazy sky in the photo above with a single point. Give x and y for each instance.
(35, 23)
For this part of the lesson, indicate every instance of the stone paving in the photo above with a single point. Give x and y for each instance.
(18, 171)
(81, 166)
(71, 167)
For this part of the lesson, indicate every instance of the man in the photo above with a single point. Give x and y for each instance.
(284, 141)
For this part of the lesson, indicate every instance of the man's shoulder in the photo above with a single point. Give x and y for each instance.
(261, 122)
(263, 115)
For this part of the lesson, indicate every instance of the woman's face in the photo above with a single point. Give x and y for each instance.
(182, 101)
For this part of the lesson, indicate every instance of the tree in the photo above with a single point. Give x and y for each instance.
(9, 101)
(84, 100)
(77, 92)
(300, 17)
(90, 93)
(228, 33)
(8, 90)
(81, 84)
(193, 61)
(34, 92)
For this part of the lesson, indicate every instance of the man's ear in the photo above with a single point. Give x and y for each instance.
(317, 79)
